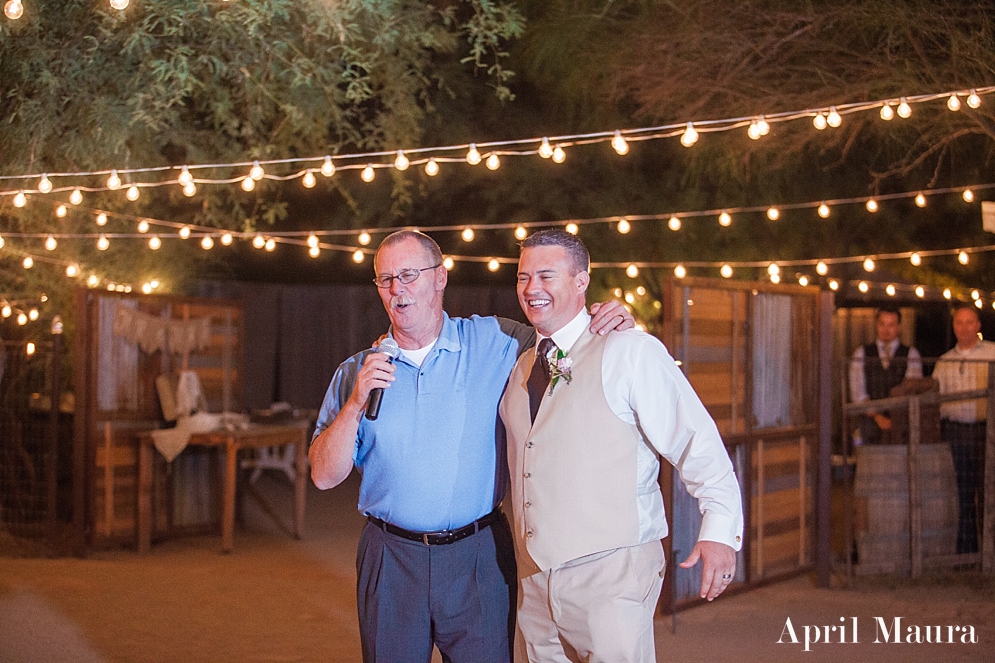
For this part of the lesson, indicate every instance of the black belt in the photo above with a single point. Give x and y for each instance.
(438, 538)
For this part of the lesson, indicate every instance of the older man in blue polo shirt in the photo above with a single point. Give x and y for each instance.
(435, 563)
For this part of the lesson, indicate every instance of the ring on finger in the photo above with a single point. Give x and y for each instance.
(727, 576)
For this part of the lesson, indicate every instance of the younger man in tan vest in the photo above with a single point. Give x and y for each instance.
(587, 419)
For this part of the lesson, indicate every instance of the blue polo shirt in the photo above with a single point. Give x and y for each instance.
(434, 458)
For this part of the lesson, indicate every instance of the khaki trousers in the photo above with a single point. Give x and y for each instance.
(595, 609)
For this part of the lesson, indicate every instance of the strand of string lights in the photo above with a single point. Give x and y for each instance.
(14, 9)
(489, 153)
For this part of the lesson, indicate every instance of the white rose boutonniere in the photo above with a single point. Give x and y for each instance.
(559, 367)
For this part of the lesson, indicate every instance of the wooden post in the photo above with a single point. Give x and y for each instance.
(760, 509)
(915, 490)
(988, 489)
(108, 479)
(301, 477)
(802, 490)
(825, 414)
(52, 458)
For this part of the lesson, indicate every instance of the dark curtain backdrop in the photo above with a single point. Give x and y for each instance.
(296, 335)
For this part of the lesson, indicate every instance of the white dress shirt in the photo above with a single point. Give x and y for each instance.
(964, 370)
(644, 387)
(858, 385)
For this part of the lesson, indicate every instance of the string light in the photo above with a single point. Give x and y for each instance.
(493, 162)
(887, 113)
(963, 258)
(619, 144)
(28, 262)
(50, 243)
(920, 200)
(76, 197)
(207, 243)
(559, 155)
(120, 4)
(904, 109)
(256, 172)
(833, 119)
(775, 278)
(248, 184)
(493, 265)
(132, 193)
(773, 213)
(863, 287)
(869, 264)
(189, 189)
(467, 234)
(6, 311)
(521, 233)
(184, 232)
(802, 280)
(545, 149)
(22, 319)
(973, 100)
(975, 294)
(308, 181)
(946, 293)
(632, 271)
(968, 196)
(2, 241)
(101, 219)
(473, 155)
(270, 245)
(45, 185)
(824, 211)
(314, 251)
(103, 243)
(834, 284)
(358, 256)
(431, 167)
(226, 239)
(953, 103)
(915, 259)
(155, 243)
(185, 176)
(726, 271)
(13, 9)
(871, 205)
(630, 298)
(364, 238)
(327, 167)
(20, 200)
(572, 228)
(674, 223)
(920, 291)
(143, 226)
(114, 181)
(690, 135)
(680, 272)
(821, 268)
(641, 291)
(61, 211)
(978, 303)
(368, 174)
(312, 240)
(725, 219)
(72, 270)
(819, 121)
(890, 290)
(773, 269)
(624, 226)
(448, 263)
(258, 241)
(401, 162)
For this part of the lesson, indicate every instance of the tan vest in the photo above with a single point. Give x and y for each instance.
(573, 474)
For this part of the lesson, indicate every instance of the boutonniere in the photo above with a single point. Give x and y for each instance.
(559, 367)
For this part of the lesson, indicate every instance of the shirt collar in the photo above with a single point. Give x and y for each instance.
(568, 334)
(448, 335)
(892, 345)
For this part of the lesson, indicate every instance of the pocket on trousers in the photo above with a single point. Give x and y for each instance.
(646, 566)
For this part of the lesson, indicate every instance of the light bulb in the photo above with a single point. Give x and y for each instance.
(270, 245)
(975, 294)
(680, 272)
(6, 311)
(28, 262)
(364, 238)
(871, 205)
(521, 233)
(20, 200)
(314, 251)
(155, 243)
(947, 294)
(904, 109)
(641, 291)
(572, 228)
(473, 156)
(617, 292)
(690, 136)
(312, 240)
(248, 184)
(308, 180)
(773, 269)
(863, 287)
(819, 121)
(962, 257)
(869, 264)
(256, 172)
(632, 271)
(802, 280)
(368, 173)
(978, 303)
(101, 219)
(133, 193)
(754, 131)
(674, 223)
(184, 232)
(890, 290)
(120, 4)
(559, 155)
(968, 196)
(103, 243)
(920, 200)
(61, 211)
(13, 9)
(114, 181)
(619, 143)
(207, 243)
(45, 185)
(763, 125)
(493, 162)
(110, 287)
(226, 239)
(833, 119)
(432, 167)
(953, 103)
(630, 298)
(185, 176)
(725, 219)
(72, 270)
(493, 264)
(22, 319)
(147, 288)
(834, 284)
(401, 162)
(545, 149)
(726, 271)
(973, 100)
(824, 211)
(327, 167)
(920, 291)
(2, 242)
(50, 243)
(143, 226)
(358, 256)
(821, 268)
(258, 241)
(624, 226)
(773, 214)
(915, 259)
(467, 234)
(448, 263)
(189, 189)
(76, 197)
(887, 113)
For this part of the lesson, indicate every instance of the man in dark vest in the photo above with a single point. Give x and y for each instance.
(879, 366)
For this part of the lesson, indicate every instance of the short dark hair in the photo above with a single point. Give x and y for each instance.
(575, 248)
(434, 252)
(889, 308)
(964, 306)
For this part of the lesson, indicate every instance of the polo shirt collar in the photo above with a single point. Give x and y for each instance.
(448, 335)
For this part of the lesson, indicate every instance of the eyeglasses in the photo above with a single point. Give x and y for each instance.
(405, 276)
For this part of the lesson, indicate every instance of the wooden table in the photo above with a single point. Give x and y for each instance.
(254, 437)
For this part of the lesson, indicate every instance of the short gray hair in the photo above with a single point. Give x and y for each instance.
(433, 250)
(575, 248)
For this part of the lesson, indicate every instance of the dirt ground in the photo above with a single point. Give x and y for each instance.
(277, 599)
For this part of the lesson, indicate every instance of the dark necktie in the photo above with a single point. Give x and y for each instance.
(539, 378)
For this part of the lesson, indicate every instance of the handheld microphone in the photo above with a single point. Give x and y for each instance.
(390, 348)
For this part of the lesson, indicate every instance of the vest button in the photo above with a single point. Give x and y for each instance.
(528, 474)
(528, 504)
(529, 445)
(529, 534)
